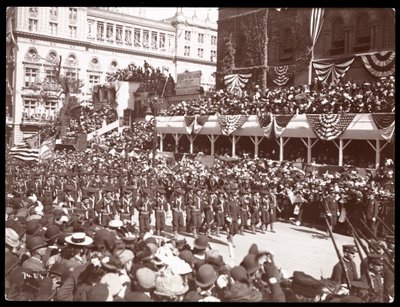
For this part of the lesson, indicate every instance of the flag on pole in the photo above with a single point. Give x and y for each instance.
(24, 152)
(46, 151)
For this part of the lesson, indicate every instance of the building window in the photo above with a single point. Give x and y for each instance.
(72, 31)
(201, 38)
(31, 75)
(363, 33)
(100, 31)
(33, 25)
(162, 41)
(213, 40)
(50, 110)
(70, 75)
(53, 11)
(337, 36)
(154, 41)
(118, 34)
(128, 36)
(187, 35)
(213, 56)
(200, 52)
(53, 28)
(73, 14)
(187, 51)
(93, 80)
(145, 38)
(136, 38)
(29, 107)
(51, 75)
(110, 32)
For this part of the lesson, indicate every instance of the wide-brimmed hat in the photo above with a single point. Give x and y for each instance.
(169, 284)
(201, 242)
(33, 228)
(250, 263)
(115, 224)
(79, 238)
(12, 237)
(205, 276)
(51, 233)
(34, 243)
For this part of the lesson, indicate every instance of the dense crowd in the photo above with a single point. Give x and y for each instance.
(91, 119)
(320, 97)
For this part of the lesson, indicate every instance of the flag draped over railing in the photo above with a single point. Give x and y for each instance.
(329, 126)
(334, 70)
(385, 123)
(229, 123)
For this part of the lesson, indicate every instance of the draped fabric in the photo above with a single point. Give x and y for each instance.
(281, 75)
(229, 123)
(265, 121)
(46, 151)
(189, 120)
(280, 123)
(385, 124)
(199, 123)
(329, 126)
(317, 20)
(381, 64)
(235, 81)
(325, 71)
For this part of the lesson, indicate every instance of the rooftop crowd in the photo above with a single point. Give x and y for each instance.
(320, 97)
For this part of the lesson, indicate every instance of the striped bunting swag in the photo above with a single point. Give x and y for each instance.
(23, 152)
(236, 81)
(199, 123)
(265, 121)
(329, 126)
(385, 123)
(189, 120)
(280, 123)
(229, 123)
(381, 64)
(281, 73)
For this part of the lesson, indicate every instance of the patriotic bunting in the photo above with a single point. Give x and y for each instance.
(325, 71)
(381, 64)
(280, 123)
(236, 81)
(46, 151)
(385, 124)
(24, 152)
(229, 123)
(265, 121)
(281, 75)
(189, 120)
(329, 126)
(199, 123)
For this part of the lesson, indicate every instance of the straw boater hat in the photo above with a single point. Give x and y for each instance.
(79, 238)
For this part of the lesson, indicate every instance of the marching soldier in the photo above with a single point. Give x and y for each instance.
(244, 207)
(208, 214)
(338, 275)
(196, 209)
(272, 209)
(145, 211)
(232, 214)
(109, 208)
(127, 204)
(265, 209)
(255, 207)
(178, 206)
(219, 207)
(372, 210)
(161, 208)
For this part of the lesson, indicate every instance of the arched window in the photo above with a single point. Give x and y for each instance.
(363, 33)
(286, 52)
(337, 36)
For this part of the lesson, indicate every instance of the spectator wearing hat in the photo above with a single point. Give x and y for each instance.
(205, 278)
(338, 274)
(144, 281)
(160, 210)
(98, 293)
(201, 244)
(375, 278)
(50, 236)
(170, 287)
(12, 241)
(37, 248)
(306, 288)
(59, 273)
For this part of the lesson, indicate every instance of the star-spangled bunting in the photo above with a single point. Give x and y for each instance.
(265, 121)
(329, 126)
(229, 123)
(385, 123)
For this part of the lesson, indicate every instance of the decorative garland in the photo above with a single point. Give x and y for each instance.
(381, 64)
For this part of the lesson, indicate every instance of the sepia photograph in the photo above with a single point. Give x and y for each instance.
(199, 154)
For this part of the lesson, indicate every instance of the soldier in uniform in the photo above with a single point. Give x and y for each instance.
(255, 207)
(60, 187)
(109, 207)
(331, 207)
(145, 211)
(372, 210)
(208, 213)
(178, 205)
(374, 277)
(272, 209)
(265, 209)
(232, 213)
(338, 275)
(244, 206)
(127, 204)
(219, 207)
(160, 210)
(196, 209)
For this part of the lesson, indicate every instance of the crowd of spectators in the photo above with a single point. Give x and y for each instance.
(90, 120)
(320, 97)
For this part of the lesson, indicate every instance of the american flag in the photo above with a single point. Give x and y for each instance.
(24, 152)
(46, 152)
(329, 126)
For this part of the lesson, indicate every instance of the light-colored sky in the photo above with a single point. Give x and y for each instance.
(159, 13)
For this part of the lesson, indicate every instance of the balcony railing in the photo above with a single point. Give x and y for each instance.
(38, 121)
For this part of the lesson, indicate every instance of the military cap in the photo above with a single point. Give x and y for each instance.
(375, 259)
(349, 248)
